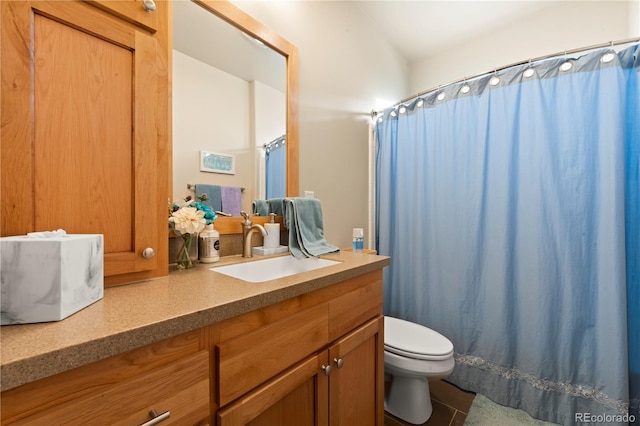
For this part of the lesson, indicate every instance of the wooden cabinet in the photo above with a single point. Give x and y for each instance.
(313, 359)
(339, 386)
(84, 112)
(317, 365)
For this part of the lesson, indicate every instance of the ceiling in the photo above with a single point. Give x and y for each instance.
(418, 29)
(207, 38)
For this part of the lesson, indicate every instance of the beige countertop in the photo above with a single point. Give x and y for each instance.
(138, 314)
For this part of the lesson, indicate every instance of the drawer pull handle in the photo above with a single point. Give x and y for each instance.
(157, 418)
(148, 5)
(339, 362)
(326, 369)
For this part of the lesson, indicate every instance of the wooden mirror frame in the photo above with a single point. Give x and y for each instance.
(231, 14)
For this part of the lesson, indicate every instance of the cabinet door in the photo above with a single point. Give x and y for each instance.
(296, 397)
(82, 133)
(356, 386)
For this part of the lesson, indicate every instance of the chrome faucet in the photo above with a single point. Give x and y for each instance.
(247, 232)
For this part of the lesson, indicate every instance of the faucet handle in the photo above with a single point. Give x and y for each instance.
(245, 215)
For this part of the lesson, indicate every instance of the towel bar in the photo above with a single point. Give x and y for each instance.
(193, 187)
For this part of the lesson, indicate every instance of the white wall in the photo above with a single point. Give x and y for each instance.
(634, 18)
(562, 26)
(345, 65)
(269, 120)
(211, 112)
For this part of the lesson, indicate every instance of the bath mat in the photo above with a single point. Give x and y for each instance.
(484, 412)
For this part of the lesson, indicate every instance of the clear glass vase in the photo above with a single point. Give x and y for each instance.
(184, 259)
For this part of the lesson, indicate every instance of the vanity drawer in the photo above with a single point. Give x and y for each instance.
(350, 310)
(181, 388)
(248, 360)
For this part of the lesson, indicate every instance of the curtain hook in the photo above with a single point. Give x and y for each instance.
(465, 87)
(495, 79)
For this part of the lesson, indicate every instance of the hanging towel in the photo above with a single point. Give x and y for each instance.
(214, 193)
(276, 205)
(232, 200)
(261, 208)
(303, 218)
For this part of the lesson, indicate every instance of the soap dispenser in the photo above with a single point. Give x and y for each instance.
(209, 245)
(272, 240)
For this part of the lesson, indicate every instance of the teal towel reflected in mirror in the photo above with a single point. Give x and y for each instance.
(276, 206)
(214, 195)
(261, 208)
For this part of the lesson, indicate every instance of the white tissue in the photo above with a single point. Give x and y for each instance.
(272, 240)
(48, 234)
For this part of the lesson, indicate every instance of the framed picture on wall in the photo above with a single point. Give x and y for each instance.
(217, 163)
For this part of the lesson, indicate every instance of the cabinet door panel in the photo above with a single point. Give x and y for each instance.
(357, 386)
(82, 144)
(297, 397)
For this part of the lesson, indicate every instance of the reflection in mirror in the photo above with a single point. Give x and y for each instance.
(229, 98)
(275, 154)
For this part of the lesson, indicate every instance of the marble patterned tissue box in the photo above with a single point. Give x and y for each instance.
(48, 279)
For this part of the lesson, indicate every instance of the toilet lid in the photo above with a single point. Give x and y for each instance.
(414, 340)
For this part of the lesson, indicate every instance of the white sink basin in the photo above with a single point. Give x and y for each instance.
(273, 268)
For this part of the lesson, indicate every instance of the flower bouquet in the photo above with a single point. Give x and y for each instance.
(186, 219)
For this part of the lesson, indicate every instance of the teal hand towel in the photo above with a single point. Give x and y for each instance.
(214, 195)
(303, 218)
(261, 208)
(276, 206)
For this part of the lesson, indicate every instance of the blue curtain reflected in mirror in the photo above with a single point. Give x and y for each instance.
(276, 168)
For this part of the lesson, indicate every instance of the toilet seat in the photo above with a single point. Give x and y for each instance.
(415, 341)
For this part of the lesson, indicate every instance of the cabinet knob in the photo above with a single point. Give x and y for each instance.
(326, 369)
(155, 418)
(339, 362)
(149, 5)
(148, 253)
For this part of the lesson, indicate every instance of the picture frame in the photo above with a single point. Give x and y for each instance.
(212, 162)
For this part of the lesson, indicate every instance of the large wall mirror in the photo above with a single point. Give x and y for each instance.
(234, 90)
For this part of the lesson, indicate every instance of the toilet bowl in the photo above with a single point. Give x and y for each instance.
(412, 354)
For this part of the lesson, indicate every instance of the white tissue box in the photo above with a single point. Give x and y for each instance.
(48, 279)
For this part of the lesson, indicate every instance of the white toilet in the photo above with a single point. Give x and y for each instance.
(412, 354)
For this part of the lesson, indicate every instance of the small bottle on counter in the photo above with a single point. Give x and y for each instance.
(358, 240)
(209, 245)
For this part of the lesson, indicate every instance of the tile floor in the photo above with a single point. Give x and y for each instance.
(450, 406)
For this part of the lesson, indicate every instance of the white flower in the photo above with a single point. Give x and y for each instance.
(188, 220)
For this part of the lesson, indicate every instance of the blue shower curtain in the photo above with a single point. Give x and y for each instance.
(276, 169)
(511, 215)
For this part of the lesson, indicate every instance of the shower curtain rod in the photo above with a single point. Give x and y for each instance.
(266, 144)
(539, 58)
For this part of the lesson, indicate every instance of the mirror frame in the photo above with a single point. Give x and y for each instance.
(231, 14)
